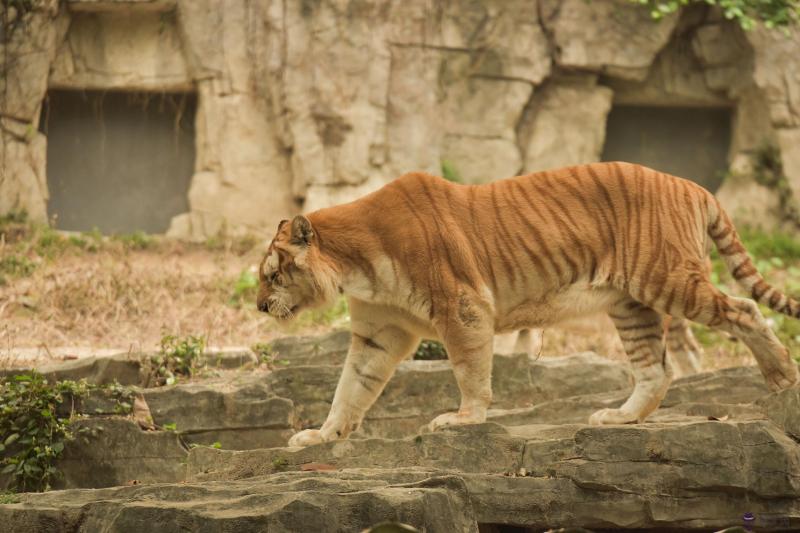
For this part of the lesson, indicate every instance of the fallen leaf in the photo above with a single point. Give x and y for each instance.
(141, 413)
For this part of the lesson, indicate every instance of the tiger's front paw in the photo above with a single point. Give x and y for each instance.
(307, 437)
(613, 416)
(455, 419)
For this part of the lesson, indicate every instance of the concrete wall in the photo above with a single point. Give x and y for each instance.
(306, 103)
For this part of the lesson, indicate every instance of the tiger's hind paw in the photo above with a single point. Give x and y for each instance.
(782, 377)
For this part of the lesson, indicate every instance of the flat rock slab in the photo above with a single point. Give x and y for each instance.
(437, 503)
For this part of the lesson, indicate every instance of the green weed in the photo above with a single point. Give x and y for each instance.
(244, 289)
(179, 356)
(34, 434)
(450, 172)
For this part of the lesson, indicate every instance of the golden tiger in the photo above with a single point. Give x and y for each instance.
(424, 257)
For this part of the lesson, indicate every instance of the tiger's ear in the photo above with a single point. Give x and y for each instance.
(302, 232)
(282, 223)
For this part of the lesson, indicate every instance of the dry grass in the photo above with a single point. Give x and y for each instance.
(126, 297)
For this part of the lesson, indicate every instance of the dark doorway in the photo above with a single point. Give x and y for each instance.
(119, 162)
(689, 142)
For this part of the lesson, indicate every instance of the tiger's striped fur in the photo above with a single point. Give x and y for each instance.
(423, 257)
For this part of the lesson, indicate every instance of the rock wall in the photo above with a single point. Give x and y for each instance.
(307, 103)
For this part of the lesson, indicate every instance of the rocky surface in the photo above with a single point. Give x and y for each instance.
(308, 104)
(720, 446)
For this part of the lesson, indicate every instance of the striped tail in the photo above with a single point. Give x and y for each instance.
(739, 264)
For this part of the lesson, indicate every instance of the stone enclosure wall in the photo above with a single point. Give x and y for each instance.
(307, 103)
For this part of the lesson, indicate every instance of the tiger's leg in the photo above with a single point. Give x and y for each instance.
(683, 351)
(376, 348)
(641, 331)
(467, 337)
(741, 318)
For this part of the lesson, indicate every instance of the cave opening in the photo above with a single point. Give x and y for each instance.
(118, 161)
(689, 142)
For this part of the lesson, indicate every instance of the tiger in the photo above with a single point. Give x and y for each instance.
(423, 257)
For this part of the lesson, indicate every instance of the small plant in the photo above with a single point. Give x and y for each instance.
(244, 289)
(171, 426)
(177, 357)
(14, 226)
(8, 497)
(430, 350)
(747, 13)
(138, 240)
(50, 243)
(263, 351)
(34, 434)
(280, 464)
(217, 445)
(123, 398)
(17, 266)
(450, 172)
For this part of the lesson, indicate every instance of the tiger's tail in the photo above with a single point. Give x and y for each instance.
(740, 265)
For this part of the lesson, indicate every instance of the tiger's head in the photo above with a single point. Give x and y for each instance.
(294, 274)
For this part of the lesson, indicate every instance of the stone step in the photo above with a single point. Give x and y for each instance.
(696, 475)
(287, 503)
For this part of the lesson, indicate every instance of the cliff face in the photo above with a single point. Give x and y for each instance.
(307, 103)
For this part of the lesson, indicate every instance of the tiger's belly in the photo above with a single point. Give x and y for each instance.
(537, 311)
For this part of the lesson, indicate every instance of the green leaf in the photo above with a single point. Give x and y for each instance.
(11, 439)
(8, 469)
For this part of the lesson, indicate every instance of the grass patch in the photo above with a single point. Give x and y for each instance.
(9, 497)
(16, 266)
(179, 356)
(138, 240)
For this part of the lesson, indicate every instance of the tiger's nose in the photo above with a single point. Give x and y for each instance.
(263, 306)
